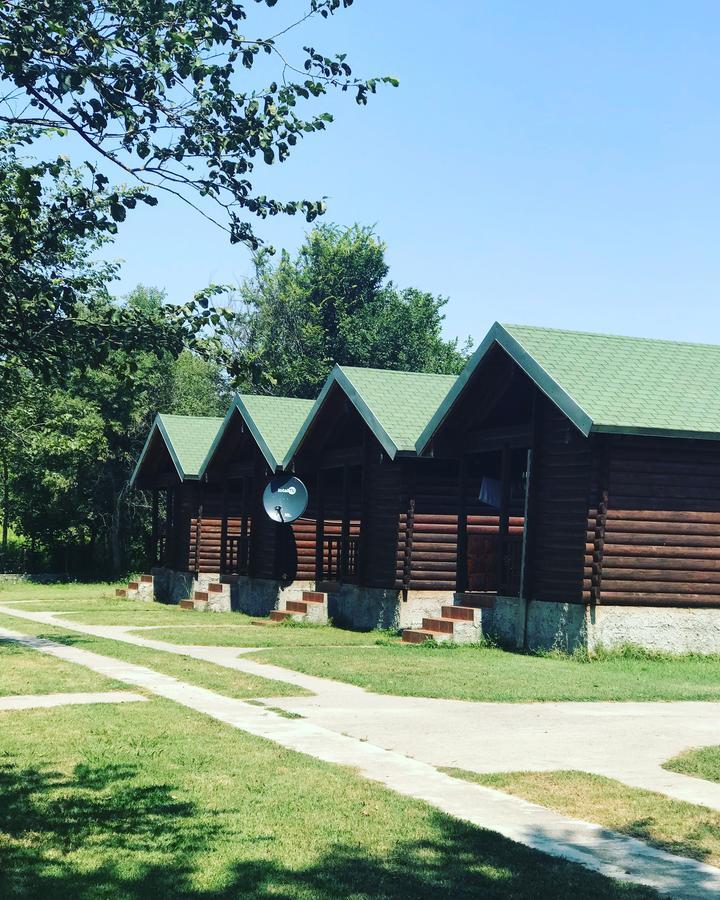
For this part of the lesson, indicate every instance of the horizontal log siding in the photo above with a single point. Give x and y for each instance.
(205, 555)
(432, 555)
(564, 478)
(662, 533)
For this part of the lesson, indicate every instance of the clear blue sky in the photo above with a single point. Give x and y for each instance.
(551, 163)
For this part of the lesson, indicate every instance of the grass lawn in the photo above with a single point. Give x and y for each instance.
(57, 593)
(194, 671)
(247, 635)
(703, 762)
(673, 825)
(25, 671)
(154, 801)
(488, 674)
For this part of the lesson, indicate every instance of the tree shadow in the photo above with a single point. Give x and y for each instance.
(98, 833)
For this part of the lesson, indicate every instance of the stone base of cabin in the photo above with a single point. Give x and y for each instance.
(172, 586)
(571, 626)
(364, 608)
(260, 596)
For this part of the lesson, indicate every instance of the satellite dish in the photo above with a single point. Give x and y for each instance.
(285, 498)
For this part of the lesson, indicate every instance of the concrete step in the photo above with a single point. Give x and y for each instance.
(186, 604)
(202, 596)
(120, 592)
(216, 587)
(279, 615)
(313, 597)
(420, 635)
(296, 606)
(462, 613)
(146, 579)
(133, 585)
(443, 626)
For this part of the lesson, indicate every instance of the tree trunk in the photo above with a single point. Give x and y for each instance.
(5, 507)
(116, 547)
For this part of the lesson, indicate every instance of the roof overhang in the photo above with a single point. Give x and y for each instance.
(159, 428)
(499, 336)
(340, 378)
(237, 407)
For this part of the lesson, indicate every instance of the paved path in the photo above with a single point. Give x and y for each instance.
(590, 845)
(625, 741)
(43, 701)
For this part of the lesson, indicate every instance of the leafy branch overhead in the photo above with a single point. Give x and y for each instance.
(174, 93)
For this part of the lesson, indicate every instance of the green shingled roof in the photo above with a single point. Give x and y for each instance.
(187, 438)
(396, 405)
(610, 383)
(272, 421)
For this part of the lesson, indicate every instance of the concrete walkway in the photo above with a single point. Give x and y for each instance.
(625, 741)
(44, 701)
(596, 848)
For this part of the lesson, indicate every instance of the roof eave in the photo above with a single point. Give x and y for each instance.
(656, 432)
(242, 409)
(499, 335)
(159, 426)
(339, 377)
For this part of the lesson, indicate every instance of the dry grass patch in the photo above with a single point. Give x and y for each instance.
(672, 825)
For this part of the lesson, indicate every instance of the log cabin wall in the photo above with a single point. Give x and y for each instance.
(381, 553)
(563, 485)
(659, 535)
(427, 543)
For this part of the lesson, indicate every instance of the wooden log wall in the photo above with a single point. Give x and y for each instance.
(428, 535)
(661, 535)
(564, 479)
(384, 501)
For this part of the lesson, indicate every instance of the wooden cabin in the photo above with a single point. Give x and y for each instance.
(235, 542)
(604, 455)
(375, 508)
(169, 468)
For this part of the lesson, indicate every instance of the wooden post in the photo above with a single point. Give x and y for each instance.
(243, 560)
(168, 560)
(364, 509)
(224, 526)
(198, 529)
(154, 555)
(461, 580)
(409, 527)
(600, 521)
(501, 571)
(345, 524)
(319, 527)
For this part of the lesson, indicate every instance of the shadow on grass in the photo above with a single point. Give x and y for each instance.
(99, 834)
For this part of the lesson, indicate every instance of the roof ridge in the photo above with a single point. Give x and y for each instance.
(345, 368)
(608, 336)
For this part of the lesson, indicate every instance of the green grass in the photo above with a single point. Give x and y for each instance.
(672, 825)
(203, 674)
(57, 593)
(247, 635)
(703, 762)
(153, 801)
(26, 671)
(490, 674)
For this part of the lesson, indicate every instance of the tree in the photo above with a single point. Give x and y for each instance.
(174, 93)
(71, 449)
(332, 303)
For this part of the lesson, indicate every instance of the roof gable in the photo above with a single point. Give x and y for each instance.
(396, 406)
(609, 383)
(273, 422)
(187, 439)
